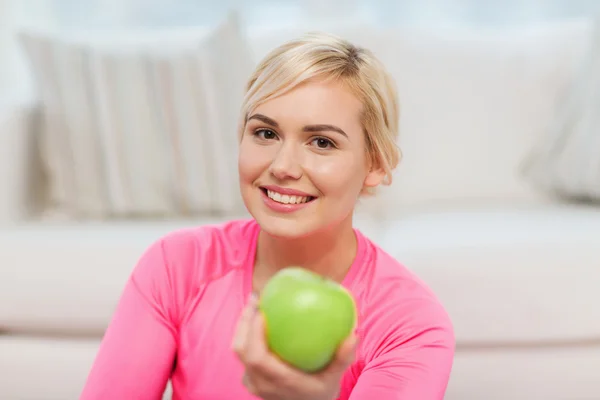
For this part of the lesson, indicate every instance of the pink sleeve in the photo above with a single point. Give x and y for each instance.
(412, 363)
(137, 352)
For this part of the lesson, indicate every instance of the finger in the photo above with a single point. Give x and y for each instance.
(344, 357)
(243, 325)
(247, 382)
(256, 345)
(258, 356)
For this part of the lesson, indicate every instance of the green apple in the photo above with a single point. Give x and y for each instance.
(307, 317)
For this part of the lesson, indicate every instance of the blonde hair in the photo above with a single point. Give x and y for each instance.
(325, 56)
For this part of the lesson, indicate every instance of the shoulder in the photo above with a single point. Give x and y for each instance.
(231, 236)
(174, 267)
(398, 308)
(190, 256)
(209, 249)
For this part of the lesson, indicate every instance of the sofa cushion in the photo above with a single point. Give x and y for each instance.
(508, 275)
(505, 275)
(501, 374)
(526, 374)
(66, 278)
(24, 357)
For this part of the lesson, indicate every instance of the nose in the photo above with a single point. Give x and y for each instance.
(287, 163)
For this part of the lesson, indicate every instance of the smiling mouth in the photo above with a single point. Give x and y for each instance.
(285, 198)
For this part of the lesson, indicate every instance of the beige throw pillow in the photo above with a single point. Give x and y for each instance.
(565, 162)
(141, 130)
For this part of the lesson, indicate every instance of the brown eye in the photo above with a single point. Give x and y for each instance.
(323, 143)
(265, 134)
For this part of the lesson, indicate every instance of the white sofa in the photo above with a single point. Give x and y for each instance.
(518, 271)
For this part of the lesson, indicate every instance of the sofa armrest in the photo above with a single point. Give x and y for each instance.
(19, 162)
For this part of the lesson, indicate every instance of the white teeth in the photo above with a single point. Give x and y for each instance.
(287, 199)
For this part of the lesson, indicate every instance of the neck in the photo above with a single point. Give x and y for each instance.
(330, 253)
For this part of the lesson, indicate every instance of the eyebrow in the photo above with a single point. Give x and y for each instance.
(307, 128)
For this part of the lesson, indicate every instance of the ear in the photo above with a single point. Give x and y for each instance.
(374, 178)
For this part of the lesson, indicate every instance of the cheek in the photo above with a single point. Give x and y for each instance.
(251, 160)
(338, 176)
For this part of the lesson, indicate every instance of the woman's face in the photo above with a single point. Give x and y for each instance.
(303, 160)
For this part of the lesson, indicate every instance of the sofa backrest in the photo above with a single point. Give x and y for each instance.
(472, 105)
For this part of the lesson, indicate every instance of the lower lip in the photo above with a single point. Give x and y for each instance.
(283, 208)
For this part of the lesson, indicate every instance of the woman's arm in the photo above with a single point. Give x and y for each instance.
(413, 364)
(137, 352)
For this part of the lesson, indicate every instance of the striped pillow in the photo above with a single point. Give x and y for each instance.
(148, 132)
(566, 161)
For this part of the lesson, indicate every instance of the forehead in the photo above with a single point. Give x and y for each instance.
(315, 102)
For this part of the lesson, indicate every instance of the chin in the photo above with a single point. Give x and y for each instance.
(296, 225)
(287, 226)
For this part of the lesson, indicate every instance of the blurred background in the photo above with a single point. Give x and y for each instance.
(77, 16)
(118, 124)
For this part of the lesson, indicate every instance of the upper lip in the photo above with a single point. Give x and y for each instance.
(288, 191)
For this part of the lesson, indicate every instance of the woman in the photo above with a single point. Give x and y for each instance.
(318, 130)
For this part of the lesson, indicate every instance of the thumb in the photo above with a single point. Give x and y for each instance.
(344, 356)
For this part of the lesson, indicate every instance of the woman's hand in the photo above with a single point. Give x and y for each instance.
(269, 378)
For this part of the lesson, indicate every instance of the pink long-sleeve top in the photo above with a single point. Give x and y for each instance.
(178, 312)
